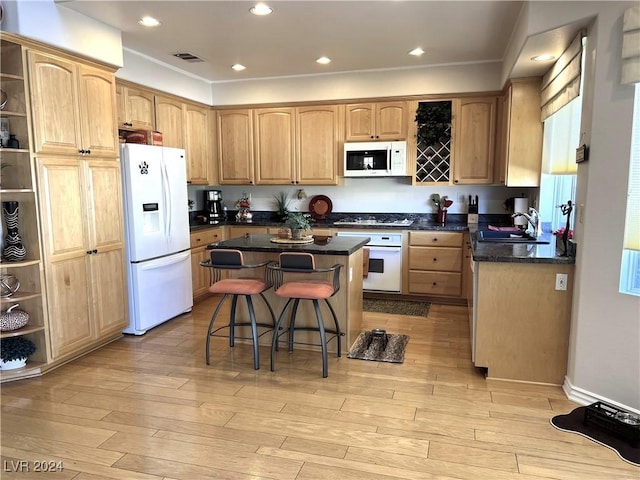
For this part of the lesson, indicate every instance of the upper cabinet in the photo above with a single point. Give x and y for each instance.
(183, 124)
(474, 121)
(136, 109)
(279, 146)
(235, 146)
(318, 148)
(73, 107)
(376, 121)
(170, 121)
(519, 135)
(197, 137)
(274, 145)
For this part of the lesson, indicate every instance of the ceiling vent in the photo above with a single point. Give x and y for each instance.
(188, 57)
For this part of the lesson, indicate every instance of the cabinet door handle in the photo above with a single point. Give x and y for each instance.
(81, 152)
(435, 259)
(95, 250)
(455, 181)
(88, 252)
(434, 284)
(88, 152)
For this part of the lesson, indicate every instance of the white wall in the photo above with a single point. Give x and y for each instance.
(364, 195)
(55, 25)
(152, 73)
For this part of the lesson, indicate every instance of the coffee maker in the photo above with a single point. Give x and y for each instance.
(213, 206)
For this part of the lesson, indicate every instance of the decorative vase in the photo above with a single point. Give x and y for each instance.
(14, 250)
(442, 217)
(13, 364)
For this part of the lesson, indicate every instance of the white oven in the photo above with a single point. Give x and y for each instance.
(385, 261)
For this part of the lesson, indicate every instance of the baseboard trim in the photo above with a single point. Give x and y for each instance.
(584, 397)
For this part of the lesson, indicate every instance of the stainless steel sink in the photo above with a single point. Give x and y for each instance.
(507, 237)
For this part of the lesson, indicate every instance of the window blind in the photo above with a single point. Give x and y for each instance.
(632, 222)
(631, 46)
(561, 137)
(561, 83)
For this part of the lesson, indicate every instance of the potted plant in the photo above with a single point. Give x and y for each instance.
(282, 205)
(298, 223)
(14, 352)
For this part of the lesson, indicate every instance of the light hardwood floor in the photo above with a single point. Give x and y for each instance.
(150, 408)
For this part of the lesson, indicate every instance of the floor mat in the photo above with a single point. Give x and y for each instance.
(574, 423)
(399, 307)
(368, 347)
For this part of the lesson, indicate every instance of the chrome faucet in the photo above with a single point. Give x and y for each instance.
(533, 217)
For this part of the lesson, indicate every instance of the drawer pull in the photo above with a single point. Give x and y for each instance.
(435, 259)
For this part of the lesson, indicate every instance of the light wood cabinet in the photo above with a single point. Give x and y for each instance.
(318, 144)
(274, 134)
(136, 109)
(170, 121)
(81, 207)
(435, 263)
(235, 146)
(279, 146)
(198, 144)
(237, 231)
(18, 184)
(73, 107)
(519, 138)
(474, 121)
(200, 276)
(529, 343)
(376, 121)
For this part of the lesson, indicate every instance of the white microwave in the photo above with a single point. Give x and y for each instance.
(375, 159)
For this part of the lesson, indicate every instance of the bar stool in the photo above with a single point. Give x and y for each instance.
(318, 288)
(224, 260)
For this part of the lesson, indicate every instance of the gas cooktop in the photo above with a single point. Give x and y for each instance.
(372, 221)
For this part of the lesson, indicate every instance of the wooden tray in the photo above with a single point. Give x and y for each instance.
(305, 239)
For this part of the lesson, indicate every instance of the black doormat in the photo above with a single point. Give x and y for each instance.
(368, 347)
(399, 307)
(574, 422)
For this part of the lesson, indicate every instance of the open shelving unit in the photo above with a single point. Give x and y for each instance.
(17, 183)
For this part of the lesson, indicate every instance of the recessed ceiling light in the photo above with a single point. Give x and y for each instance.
(323, 60)
(237, 67)
(149, 22)
(416, 52)
(543, 58)
(261, 9)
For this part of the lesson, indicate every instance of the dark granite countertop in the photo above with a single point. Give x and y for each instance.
(482, 251)
(518, 252)
(259, 242)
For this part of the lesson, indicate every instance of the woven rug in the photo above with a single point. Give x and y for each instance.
(367, 348)
(574, 423)
(399, 307)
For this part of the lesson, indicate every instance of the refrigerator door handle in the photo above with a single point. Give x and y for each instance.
(168, 204)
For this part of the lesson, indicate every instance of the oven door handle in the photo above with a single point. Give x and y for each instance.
(383, 249)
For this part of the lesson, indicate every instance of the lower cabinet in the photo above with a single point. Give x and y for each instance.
(200, 277)
(84, 258)
(435, 263)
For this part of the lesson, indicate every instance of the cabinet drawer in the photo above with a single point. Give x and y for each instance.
(241, 231)
(435, 283)
(446, 259)
(205, 237)
(435, 239)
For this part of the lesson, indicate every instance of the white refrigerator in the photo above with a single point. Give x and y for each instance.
(156, 234)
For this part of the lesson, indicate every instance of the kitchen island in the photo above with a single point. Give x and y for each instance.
(347, 302)
(521, 315)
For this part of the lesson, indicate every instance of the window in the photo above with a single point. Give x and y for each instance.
(630, 269)
(558, 180)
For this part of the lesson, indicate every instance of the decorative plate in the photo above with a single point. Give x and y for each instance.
(320, 206)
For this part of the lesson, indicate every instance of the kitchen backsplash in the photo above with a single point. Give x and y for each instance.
(384, 195)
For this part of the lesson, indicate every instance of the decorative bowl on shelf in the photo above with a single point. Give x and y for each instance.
(12, 319)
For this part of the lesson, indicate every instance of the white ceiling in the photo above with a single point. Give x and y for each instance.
(356, 35)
